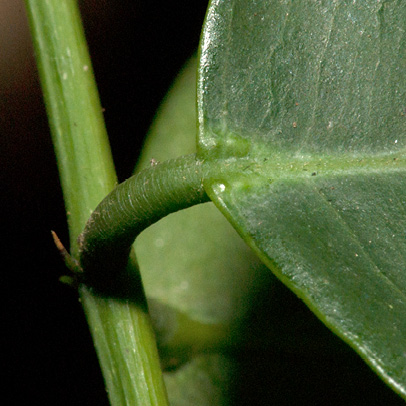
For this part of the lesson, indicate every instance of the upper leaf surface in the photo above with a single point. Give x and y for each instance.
(303, 77)
(301, 109)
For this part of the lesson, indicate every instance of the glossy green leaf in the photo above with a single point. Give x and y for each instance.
(302, 109)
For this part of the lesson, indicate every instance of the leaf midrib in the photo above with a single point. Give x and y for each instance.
(277, 167)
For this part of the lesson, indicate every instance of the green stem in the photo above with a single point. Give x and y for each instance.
(75, 116)
(134, 205)
(120, 327)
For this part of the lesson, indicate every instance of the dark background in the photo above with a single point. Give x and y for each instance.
(137, 47)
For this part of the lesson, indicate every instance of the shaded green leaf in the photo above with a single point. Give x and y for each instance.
(205, 381)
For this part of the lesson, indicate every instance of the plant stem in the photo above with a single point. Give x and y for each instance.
(134, 205)
(75, 115)
(121, 328)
